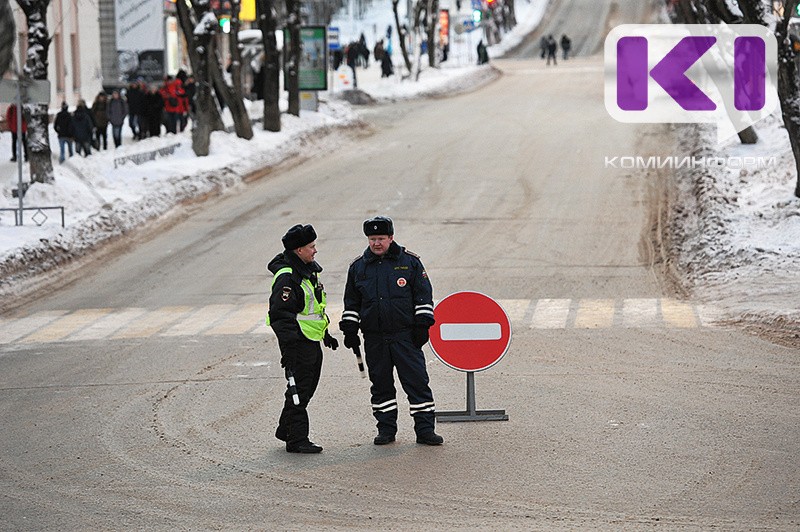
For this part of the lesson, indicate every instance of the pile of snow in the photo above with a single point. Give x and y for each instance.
(736, 230)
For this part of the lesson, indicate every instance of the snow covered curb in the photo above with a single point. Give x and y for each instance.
(20, 266)
(735, 229)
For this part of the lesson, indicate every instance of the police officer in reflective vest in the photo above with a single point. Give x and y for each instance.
(297, 315)
(389, 298)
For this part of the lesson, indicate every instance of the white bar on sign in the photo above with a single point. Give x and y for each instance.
(470, 331)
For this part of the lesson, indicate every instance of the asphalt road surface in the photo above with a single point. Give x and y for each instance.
(144, 394)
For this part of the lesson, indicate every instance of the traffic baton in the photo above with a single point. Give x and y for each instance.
(292, 387)
(357, 351)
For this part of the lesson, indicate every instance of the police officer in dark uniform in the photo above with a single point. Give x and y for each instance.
(389, 298)
(297, 315)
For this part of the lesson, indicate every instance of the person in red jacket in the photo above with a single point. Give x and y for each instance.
(11, 121)
(173, 94)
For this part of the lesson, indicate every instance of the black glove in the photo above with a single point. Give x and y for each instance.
(419, 335)
(352, 340)
(287, 362)
(330, 342)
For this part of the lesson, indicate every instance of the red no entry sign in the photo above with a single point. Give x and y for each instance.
(472, 331)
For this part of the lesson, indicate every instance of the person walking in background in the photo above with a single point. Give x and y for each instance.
(134, 97)
(483, 55)
(11, 122)
(297, 315)
(389, 298)
(552, 48)
(144, 113)
(100, 117)
(173, 94)
(154, 109)
(64, 129)
(83, 128)
(183, 118)
(117, 111)
(543, 47)
(566, 44)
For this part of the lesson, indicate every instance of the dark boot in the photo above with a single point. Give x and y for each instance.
(383, 438)
(430, 438)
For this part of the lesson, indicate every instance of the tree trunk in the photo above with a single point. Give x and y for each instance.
(433, 23)
(268, 23)
(187, 27)
(41, 166)
(788, 88)
(7, 32)
(244, 129)
(292, 67)
(241, 122)
(201, 128)
(401, 36)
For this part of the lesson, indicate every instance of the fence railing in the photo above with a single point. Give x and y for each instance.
(38, 217)
(139, 158)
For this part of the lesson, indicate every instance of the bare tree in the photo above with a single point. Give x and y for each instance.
(187, 24)
(201, 37)
(7, 32)
(788, 83)
(232, 98)
(433, 24)
(401, 36)
(292, 66)
(268, 23)
(41, 166)
(712, 12)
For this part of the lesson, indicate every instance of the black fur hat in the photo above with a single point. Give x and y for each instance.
(379, 225)
(298, 236)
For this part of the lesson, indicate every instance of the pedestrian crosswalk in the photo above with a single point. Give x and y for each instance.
(228, 319)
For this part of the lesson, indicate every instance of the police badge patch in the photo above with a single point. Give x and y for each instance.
(287, 291)
(401, 282)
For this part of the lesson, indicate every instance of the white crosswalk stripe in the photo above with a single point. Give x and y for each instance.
(229, 319)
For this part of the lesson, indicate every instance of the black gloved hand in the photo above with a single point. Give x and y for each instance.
(352, 340)
(330, 342)
(287, 362)
(419, 335)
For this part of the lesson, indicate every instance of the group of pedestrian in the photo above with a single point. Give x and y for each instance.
(146, 109)
(87, 128)
(549, 48)
(388, 299)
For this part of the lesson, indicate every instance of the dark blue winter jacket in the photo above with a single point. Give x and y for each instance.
(387, 294)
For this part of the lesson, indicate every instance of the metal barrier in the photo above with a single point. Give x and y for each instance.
(37, 219)
(139, 158)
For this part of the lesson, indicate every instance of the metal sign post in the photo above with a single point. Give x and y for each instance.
(471, 413)
(17, 92)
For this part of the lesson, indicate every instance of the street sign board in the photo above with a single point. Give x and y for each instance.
(33, 90)
(333, 38)
(472, 331)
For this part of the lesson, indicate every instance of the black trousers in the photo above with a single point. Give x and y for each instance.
(307, 370)
(384, 354)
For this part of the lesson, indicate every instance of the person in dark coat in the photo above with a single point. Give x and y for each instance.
(154, 109)
(352, 60)
(552, 48)
(297, 315)
(117, 111)
(483, 55)
(100, 116)
(566, 44)
(387, 68)
(63, 127)
(134, 97)
(389, 298)
(83, 128)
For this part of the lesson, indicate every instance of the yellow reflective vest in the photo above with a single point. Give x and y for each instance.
(312, 319)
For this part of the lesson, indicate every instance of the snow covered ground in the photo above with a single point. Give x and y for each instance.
(736, 232)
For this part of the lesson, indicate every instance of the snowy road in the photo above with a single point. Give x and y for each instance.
(626, 412)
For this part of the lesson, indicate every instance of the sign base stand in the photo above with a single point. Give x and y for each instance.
(471, 414)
